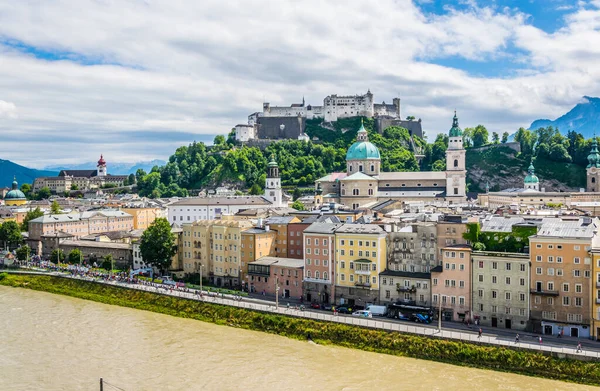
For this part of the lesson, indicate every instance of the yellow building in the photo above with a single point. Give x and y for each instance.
(143, 217)
(214, 245)
(256, 243)
(15, 197)
(360, 257)
(595, 294)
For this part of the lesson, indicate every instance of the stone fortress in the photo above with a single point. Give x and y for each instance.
(289, 122)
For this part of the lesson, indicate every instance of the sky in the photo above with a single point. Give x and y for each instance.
(135, 79)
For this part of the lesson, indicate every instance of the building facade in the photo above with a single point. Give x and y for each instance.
(500, 284)
(319, 262)
(277, 276)
(80, 224)
(451, 284)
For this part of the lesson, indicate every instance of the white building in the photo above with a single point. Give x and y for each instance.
(244, 133)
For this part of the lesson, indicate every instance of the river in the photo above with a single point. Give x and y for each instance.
(53, 342)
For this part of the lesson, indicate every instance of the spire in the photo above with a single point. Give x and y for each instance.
(531, 169)
(487, 186)
(594, 157)
(273, 162)
(455, 131)
(362, 134)
(15, 185)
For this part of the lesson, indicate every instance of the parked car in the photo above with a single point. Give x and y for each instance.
(326, 307)
(363, 314)
(316, 306)
(343, 310)
(377, 310)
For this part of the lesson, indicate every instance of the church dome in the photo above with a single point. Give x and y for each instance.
(272, 163)
(362, 149)
(15, 193)
(101, 162)
(531, 177)
(455, 130)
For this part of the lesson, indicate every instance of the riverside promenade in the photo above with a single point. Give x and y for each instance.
(375, 323)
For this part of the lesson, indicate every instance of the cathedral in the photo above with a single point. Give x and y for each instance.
(364, 184)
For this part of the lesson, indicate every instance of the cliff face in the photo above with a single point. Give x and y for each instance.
(503, 169)
(584, 118)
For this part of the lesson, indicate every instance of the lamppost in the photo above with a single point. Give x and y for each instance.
(440, 313)
(240, 279)
(276, 292)
(200, 267)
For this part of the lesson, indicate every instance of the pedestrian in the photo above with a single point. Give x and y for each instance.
(579, 347)
(540, 339)
(517, 339)
(480, 332)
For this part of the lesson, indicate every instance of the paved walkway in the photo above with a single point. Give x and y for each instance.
(549, 344)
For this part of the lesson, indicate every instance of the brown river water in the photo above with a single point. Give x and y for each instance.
(52, 342)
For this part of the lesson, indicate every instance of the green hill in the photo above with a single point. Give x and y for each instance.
(10, 170)
(503, 168)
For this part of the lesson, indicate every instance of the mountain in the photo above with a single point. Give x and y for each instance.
(584, 118)
(113, 168)
(10, 170)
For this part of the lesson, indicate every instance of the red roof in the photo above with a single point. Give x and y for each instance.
(101, 162)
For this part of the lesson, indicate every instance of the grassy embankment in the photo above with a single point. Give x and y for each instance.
(458, 353)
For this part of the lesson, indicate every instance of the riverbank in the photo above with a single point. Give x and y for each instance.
(381, 341)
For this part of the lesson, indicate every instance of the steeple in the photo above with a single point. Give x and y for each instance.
(594, 157)
(531, 180)
(455, 130)
(362, 134)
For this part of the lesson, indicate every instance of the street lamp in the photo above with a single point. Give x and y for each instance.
(200, 267)
(276, 292)
(440, 313)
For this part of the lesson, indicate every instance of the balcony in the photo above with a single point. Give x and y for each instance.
(363, 284)
(544, 293)
(363, 272)
(406, 289)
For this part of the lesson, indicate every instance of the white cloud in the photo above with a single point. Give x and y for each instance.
(7, 109)
(175, 69)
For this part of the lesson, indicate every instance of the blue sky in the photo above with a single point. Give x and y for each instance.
(135, 79)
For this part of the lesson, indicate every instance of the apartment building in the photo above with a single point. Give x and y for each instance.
(319, 262)
(214, 245)
(80, 224)
(360, 257)
(143, 217)
(280, 224)
(273, 275)
(257, 242)
(405, 287)
(595, 292)
(561, 269)
(451, 283)
(450, 231)
(500, 285)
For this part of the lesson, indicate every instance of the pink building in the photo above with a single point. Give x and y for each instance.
(452, 282)
(267, 273)
(319, 262)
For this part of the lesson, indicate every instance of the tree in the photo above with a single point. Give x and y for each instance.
(505, 137)
(57, 256)
(30, 215)
(297, 194)
(495, 138)
(26, 189)
(298, 205)
(410, 118)
(10, 234)
(75, 256)
(23, 253)
(107, 262)
(256, 189)
(157, 245)
(74, 187)
(480, 136)
(55, 208)
(131, 179)
(43, 194)
(219, 140)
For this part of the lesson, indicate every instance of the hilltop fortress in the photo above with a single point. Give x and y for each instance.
(289, 122)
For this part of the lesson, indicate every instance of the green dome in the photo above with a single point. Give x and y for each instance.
(362, 149)
(594, 157)
(531, 177)
(15, 193)
(455, 130)
(272, 163)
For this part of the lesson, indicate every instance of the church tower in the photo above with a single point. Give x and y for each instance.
(593, 168)
(273, 190)
(456, 172)
(101, 166)
(531, 180)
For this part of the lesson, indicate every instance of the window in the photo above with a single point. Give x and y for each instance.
(461, 284)
(550, 259)
(538, 270)
(565, 287)
(342, 252)
(461, 267)
(480, 292)
(550, 301)
(550, 271)
(559, 272)
(578, 288)
(576, 260)
(565, 300)
(342, 265)
(507, 295)
(559, 259)
(494, 279)
(521, 296)
(494, 309)
(550, 286)
(342, 242)
(522, 282)
(435, 281)
(351, 277)
(522, 267)
(577, 273)
(508, 266)
(494, 265)
(494, 294)
(342, 277)
(538, 258)
(480, 277)
(481, 264)
(387, 294)
(351, 265)
(317, 274)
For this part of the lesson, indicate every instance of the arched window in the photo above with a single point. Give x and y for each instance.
(317, 274)
(455, 162)
(593, 180)
(355, 192)
(324, 275)
(372, 168)
(350, 168)
(308, 273)
(360, 168)
(343, 192)
(370, 192)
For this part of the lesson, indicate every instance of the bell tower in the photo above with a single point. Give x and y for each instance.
(101, 166)
(593, 168)
(273, 190)
(456, 171)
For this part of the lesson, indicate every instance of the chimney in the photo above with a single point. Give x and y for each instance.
(267, 228)
(260, 222)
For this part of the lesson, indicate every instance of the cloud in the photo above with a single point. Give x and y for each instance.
(7, 109)
(138, 79)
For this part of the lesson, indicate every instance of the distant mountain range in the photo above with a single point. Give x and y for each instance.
(584, 118)
(112, 168)
(9, 170)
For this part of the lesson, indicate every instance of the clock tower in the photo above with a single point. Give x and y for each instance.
(593, 168)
